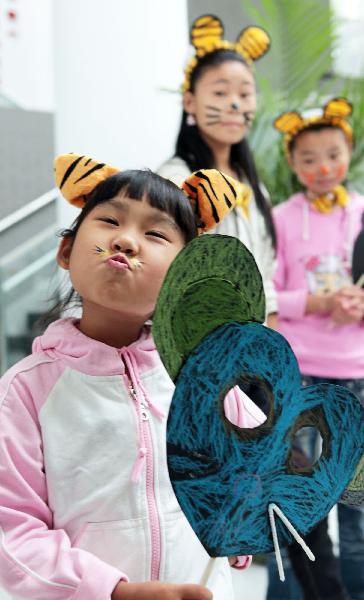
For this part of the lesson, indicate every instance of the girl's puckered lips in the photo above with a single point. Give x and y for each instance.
(119, 262)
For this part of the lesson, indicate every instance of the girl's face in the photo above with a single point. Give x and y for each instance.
(223, 103)
(120, 256)
(321, 159)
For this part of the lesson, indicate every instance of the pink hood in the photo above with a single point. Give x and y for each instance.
(63, 340)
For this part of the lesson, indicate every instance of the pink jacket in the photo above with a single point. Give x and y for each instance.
(314, 255)
(85, 497)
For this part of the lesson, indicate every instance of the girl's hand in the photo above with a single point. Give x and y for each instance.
(348, 305)
(156, 590)
(240, 562)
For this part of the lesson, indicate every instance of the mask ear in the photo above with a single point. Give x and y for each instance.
(252, 43)
(206, 32)
(338, 108)
(64, 252)
(212, 195)
(77, 176)
(289, 123)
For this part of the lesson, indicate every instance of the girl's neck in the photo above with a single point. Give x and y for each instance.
(111, 328)
(222, 157)
(311, 196)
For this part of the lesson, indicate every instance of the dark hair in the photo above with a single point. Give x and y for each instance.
(313, 127)
(191, 147)
(161, 193)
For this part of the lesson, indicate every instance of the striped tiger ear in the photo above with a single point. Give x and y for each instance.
(252, 43)
(77, 176)
(206, 32)
(337, 108)
(213, 195)
(289, 122)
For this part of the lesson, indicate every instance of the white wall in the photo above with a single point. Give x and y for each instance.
(112, 59)
(26, 60)
(349, 51)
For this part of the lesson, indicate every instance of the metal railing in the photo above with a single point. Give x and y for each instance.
(22, 268)
(27, 210)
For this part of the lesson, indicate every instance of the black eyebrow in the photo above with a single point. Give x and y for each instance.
(118, 204)
(162, 218)
(245, 82)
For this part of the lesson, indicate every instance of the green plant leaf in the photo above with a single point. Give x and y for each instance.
(297, 74)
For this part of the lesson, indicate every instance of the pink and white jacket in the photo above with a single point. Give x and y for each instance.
(85, 496)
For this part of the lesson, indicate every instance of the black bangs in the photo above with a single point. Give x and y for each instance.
(312, 127)
(159, 192)
(214, 59)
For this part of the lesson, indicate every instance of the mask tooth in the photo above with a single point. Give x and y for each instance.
(273, 508)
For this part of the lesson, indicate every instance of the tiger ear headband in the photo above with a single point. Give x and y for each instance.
(211, 193)
(207, 36)
(333, 114)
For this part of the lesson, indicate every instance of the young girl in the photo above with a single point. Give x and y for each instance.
(320, 308)
(219, 103)
(87, 509)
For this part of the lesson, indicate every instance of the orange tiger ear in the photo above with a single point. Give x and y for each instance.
(338, 108)
(206, 32)
(213, 195)
(77, 176)
(252, 43)
(289, 122)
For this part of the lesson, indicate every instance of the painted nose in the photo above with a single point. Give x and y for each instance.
(324, 170)
(234, 106)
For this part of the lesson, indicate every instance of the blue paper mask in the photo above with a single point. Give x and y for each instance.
(225, 477)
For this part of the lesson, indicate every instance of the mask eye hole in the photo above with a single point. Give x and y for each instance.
(260, 393)
(306, 450)
(310, 440)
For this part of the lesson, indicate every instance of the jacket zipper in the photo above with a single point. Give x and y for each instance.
(144, 427)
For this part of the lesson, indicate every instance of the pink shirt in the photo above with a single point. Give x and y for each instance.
(314, 255)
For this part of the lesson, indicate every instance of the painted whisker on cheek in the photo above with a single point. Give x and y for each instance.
(248, 117)
(101, 251)
(135, 263)
(213, 108)
(212, 118)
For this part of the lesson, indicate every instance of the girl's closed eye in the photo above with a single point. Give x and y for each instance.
(110, 220)
(158, 234)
